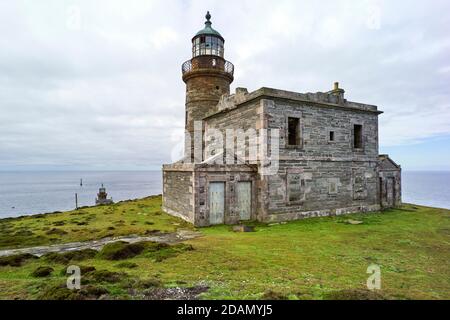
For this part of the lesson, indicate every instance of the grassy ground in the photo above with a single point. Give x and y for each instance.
(310, 259)
(139, 217)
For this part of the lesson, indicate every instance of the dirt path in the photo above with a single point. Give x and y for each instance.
(179, 236)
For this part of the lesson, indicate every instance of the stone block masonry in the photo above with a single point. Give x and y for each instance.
(325, 150)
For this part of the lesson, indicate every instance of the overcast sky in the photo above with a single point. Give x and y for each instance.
(96, 84)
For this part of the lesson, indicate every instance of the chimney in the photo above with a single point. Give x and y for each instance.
(338, 92)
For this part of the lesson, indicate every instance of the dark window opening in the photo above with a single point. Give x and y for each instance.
(357, 136)
(202, 39)
(293, 131)
(331, 135)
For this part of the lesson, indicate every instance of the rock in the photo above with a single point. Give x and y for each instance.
(354, 222)
(243, 228)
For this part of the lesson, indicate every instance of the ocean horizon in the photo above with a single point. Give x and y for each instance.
(34, 192)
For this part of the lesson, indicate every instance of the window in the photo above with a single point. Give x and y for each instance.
(293, 131)
(331, 136)
(332, 188)
(357, 136)
(207, 45)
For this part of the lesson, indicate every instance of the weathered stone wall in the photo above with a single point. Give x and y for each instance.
(178, 197)
(316, 122)
(202, 96)
(304, 187)
(241, 122)
(244, 118)
(319, 176)
(204, 88)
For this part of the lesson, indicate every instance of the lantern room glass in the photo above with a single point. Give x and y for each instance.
(207, 45)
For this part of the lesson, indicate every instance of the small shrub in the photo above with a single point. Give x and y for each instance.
(60, 292)
(93, 292)
(149, 283)
(121, 250)
(104, 276)
(42, 272)
(16, 260)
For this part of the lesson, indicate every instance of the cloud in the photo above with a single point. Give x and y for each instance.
(97, 84)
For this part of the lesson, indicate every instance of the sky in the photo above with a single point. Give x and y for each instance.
(96, 84)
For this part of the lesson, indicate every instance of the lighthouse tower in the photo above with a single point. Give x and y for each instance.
(207, 76)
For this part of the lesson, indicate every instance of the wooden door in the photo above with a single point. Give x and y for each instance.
(216, 202)
(244, 200)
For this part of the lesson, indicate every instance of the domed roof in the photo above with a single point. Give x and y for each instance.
(208, 30)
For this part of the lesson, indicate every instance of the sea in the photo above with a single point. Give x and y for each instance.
(26, 193)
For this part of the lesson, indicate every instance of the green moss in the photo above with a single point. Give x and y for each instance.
(41, 272)
(83, 270)
(121, 250)
(160, 251)
(60, 292)
(16, 260)
(98, 276)
(127, 265)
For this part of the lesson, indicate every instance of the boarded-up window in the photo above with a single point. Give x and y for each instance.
(293, 131)
(357, 136)
(295, 187)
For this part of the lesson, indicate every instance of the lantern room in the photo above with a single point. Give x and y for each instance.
(208, 41)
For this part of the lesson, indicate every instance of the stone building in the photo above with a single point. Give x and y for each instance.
(320, 150)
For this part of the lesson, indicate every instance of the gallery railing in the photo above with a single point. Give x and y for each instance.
(207, 62)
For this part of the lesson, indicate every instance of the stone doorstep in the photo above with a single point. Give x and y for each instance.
(169, 238)
(243, 228)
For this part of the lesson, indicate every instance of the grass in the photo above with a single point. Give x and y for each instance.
(320, 258)
(140, 217)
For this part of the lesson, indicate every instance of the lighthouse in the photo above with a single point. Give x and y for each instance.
(208, 77)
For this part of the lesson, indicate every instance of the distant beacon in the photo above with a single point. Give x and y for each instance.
(102, 197)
